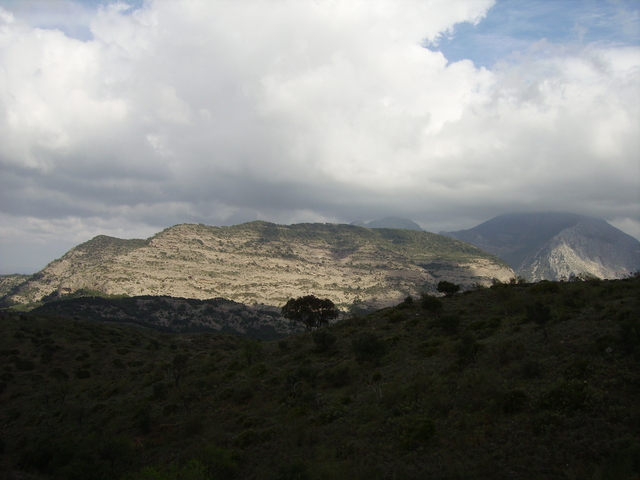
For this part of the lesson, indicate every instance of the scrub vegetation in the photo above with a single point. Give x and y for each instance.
(515, 381)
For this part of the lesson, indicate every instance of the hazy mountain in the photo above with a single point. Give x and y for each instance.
(390, 222)
(264, 263)
(556, 245)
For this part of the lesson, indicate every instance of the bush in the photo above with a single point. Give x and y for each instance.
(338, 376)
(221, 463)
(514, 401)
(293, 471)
(369, 348)
(448, 288)
(449, 323)
(431, 303)
(540, 314)
(323, 340)
(531, 369)
(468, 348)
(566, 397)
(420, 432)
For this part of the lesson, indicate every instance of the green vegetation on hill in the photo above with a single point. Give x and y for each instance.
(510, 382)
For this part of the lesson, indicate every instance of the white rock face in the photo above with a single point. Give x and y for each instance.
(582, 249)
(268, 264)
(556, 246)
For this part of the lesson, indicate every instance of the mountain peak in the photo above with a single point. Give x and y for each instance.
(556, 245)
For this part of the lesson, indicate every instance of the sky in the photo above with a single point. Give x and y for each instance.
(124, 118)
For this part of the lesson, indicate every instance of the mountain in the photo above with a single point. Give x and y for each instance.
(265, 263)
(556, 246)
(390, 222)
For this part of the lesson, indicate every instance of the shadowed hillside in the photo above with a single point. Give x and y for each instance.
(513, 382)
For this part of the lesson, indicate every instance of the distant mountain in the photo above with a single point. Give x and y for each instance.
(555, 246)
(264, 263)
(390, 222)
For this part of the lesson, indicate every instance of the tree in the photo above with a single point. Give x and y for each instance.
(310, 310)
(448, 288)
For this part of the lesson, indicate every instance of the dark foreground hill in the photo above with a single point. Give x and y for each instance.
(512, 382)
(556, 246)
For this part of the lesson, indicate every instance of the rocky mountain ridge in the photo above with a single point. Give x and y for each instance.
(265, 263)
(556, 246)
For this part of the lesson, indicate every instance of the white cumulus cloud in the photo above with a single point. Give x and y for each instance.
(222, 112)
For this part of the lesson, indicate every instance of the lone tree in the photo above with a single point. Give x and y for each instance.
(310, 310)
(448, 288)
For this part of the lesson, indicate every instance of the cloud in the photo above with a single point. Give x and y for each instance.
(223, 112)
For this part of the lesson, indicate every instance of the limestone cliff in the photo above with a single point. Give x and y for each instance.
(264, 263)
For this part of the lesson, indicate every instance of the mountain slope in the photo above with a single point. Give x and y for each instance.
(264, 263)
(556, 245)
(479, 391)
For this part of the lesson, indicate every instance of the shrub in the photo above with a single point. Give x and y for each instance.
(58, 374)
(540, 314)
(565, 397)
(544, 286)
(448, 288)
(396, 317)
(468, 348)
(338, 376)
(514, 401)
(629, 335)
(24, 365)
(292, 471)
(449, 323)
(222, 464)
(431, 303)
(531, 369)
(323, 340)
(420, 432)
(369, 348)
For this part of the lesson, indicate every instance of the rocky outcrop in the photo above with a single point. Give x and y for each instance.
(264, 263)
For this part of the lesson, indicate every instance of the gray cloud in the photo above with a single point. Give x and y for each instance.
(224, 112)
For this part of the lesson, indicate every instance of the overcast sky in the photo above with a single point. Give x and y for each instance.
(126, 118)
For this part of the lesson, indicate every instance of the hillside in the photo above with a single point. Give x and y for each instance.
(264, 263)
(9, 282)
(481, 389)
(176, 315)
(556, 246)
